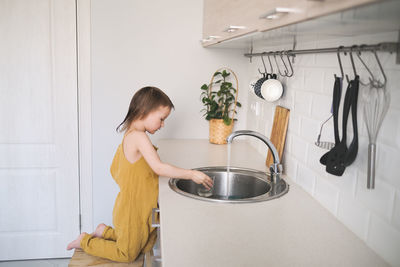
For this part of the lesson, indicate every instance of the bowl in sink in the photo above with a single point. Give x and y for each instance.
(239, 186)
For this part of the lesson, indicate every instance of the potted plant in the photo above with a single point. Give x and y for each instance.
(220, 106)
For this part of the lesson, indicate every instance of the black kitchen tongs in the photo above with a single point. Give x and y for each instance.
(341, 156)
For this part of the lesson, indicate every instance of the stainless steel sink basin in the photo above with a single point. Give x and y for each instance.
(242, 185)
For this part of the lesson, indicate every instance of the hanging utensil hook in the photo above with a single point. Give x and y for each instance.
(378, 83)
(265, 68)
(352, 62)
(290, 64)
(270, 64)
(371, 78)
(286, 70)
(340, 61)
(276, 62)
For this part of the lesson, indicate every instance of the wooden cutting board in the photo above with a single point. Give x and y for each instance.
(278, 133)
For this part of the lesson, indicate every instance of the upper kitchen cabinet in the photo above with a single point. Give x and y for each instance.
(224, 20)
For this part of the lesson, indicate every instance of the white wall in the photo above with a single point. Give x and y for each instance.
(139, 43)
(373, 215)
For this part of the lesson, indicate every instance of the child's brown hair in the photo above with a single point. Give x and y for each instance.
(143, 102)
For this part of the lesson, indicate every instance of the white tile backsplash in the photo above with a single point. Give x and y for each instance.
(388, 133)
(396, 211)
(296, 81)
(397, 135)
(379, 200)
(354, 215)
(294, 125)
(291, 168)
(314, 80)
(309, 129)
(299, 148)
(302, 103)
(394, 85)
(347, 184)
(321, 106)
(326, 60)
(388, 158)
(327, 194)
(373, 215)
(304, 60)
(305, 178)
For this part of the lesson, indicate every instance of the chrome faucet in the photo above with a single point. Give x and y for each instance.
(276, 168)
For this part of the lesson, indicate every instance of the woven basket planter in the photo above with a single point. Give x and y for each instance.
(219, 131)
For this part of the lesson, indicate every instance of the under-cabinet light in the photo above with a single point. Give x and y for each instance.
(234, 28)
(210, 38)
(278, 12)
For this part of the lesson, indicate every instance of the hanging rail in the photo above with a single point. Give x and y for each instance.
(386, 47)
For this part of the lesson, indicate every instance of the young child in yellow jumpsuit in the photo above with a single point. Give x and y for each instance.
(135, 168)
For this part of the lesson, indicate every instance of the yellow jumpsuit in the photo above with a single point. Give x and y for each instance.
(138, 195)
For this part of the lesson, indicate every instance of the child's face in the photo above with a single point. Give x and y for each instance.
(155, 119)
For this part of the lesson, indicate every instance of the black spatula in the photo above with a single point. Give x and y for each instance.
(337, 155)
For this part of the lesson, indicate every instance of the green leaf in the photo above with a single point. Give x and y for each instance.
(225, 73)
(227, 120)
(217, 73)
(204, 87)
(238, 104)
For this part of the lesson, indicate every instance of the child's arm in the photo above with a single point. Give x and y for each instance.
(146, 149)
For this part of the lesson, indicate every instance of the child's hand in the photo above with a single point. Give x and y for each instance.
(201, 178)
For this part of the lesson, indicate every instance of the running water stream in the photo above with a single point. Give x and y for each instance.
(228, 180)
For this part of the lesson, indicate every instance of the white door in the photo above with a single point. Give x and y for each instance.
(39, 182)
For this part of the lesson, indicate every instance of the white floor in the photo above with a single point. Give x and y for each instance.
(36, 263)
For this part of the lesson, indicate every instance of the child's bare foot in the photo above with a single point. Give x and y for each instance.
(77, 242)
(99, 230)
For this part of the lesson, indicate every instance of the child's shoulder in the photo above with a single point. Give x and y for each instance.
(134, 136)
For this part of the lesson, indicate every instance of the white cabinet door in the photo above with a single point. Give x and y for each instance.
(39, 182)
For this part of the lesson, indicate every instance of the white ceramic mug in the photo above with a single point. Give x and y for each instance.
(271, 90)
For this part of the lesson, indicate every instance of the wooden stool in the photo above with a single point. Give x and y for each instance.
(80, 258)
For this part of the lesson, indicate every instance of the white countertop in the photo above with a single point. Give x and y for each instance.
(293, 230)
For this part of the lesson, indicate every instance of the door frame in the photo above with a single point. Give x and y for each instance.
(83, 37)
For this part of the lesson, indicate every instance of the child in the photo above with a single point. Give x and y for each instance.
(135, 168)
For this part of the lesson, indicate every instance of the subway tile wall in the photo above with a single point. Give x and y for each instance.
(373, 215)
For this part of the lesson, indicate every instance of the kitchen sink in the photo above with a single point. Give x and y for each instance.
(240, 185)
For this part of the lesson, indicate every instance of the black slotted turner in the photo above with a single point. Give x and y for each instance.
(335, 163)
